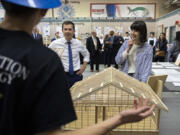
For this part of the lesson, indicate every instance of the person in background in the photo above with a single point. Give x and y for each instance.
(106, 50)
(109, 44)
(36, 35)
(94, 47)
(152, 42)
(161, 48)
(70, 56)
(35, 99)
(152, 39)
(117, 43)
(136, 55)
(101, 39)
(174, 49)
(56, 36)
(127, 37)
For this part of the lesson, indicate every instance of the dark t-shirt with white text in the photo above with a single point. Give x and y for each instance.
(34, 95)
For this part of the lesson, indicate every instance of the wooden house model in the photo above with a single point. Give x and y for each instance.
(106, 93)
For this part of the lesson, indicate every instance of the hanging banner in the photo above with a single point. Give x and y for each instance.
(123, 10)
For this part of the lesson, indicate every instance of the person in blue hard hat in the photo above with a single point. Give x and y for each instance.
(34, 95)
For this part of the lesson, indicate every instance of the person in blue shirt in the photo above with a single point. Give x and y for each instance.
(136, 55)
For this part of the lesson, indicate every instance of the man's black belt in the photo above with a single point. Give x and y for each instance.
(74, 72)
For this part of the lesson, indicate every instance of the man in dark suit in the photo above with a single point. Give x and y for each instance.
(117, 43)
(109, 43)
(36, 35)
(94, 47)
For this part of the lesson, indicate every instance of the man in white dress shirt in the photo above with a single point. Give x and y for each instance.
(70, 57)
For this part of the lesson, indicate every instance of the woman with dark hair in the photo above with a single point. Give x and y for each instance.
(136, 54)
(174, 50)
(161, 48)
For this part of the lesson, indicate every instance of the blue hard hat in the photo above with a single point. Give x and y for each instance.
(42, 4)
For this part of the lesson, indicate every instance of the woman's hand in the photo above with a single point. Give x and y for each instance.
(130, 44)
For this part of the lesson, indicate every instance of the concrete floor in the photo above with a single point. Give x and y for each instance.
(169, 121)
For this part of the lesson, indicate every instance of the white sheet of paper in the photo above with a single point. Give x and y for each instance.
(177, 84)
(165, 71)
(173, 78)
(167, 64)
(173, 67)
(157, 66)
